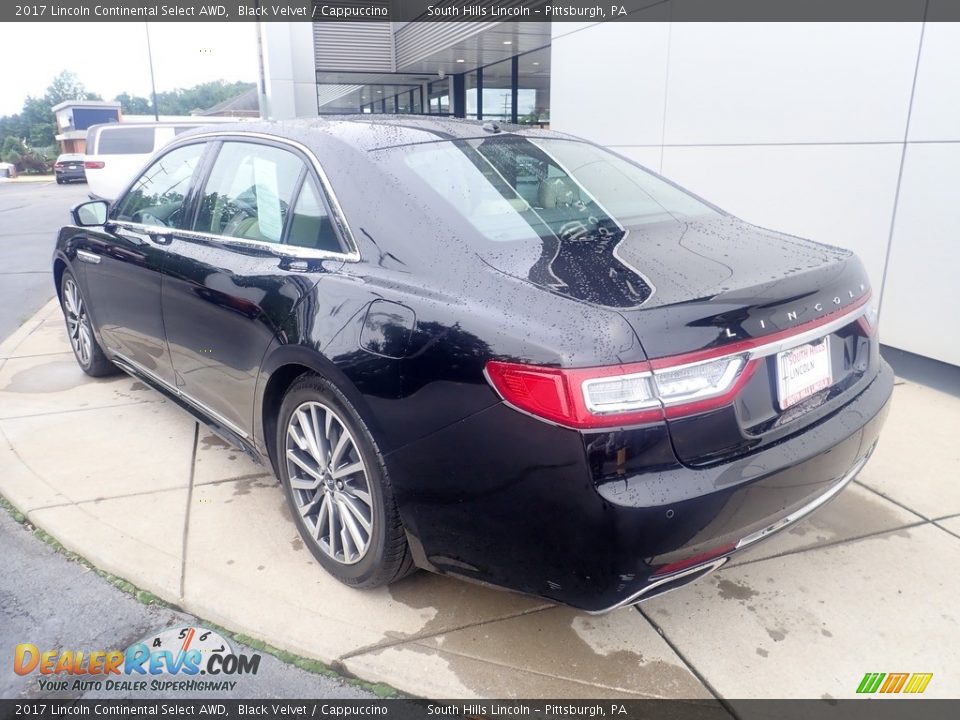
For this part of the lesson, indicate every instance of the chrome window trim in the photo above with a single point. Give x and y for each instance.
(279, 249)
(340, 219)
(181, 394)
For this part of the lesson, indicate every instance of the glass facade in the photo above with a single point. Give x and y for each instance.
(515, 89)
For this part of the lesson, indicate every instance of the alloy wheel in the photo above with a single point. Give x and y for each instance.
(329, 482)
(78, 322)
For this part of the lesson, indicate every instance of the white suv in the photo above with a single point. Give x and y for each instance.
(116, 151)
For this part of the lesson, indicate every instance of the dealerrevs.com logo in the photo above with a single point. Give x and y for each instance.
(187, 659)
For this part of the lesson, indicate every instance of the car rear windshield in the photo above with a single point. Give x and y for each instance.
(513, 188)
(125, 141)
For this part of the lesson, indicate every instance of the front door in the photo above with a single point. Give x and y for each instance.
(123, 264)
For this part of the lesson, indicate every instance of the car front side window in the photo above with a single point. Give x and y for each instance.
(249, 192)
(156, 198)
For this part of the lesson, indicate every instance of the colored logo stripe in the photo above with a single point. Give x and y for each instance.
(894, 682)
(918, 682)
(870, 682)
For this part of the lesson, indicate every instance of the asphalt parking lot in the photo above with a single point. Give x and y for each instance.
(30, 215)
(128, 481)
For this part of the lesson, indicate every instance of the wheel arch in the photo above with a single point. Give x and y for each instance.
(281, 368)
(59, 267)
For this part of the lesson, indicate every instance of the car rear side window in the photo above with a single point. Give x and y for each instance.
(310, 225)
(249, 192)
(156, 198)
(126, 141)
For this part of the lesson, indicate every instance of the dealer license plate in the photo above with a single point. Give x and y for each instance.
(802, 371)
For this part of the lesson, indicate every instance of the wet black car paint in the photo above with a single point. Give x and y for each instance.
(485, 491)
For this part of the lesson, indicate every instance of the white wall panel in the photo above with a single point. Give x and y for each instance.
(788, 82)
(559, 29)
(936, 102)
(647, 156)
(837, 194)
(918, 312)
(608, 82)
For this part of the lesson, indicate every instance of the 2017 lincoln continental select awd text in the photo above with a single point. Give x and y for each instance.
(503, 353)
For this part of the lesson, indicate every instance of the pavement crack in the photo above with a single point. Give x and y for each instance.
(186, 517)
(416, 637)
(895, 502)
(946, 530)
(689, 665)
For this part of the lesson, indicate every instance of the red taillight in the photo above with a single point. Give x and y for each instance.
(557, 394)
(619, 395)
(93, 164)
(58, 166)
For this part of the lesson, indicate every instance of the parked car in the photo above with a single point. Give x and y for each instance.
(117, 151)
(69, 166)
(501, 353)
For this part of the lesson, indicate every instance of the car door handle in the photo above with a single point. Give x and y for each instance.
(161, 238)
(88, 257)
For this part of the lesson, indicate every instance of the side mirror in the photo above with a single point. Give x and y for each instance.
(90, 214)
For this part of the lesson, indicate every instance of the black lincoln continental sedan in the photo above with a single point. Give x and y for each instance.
(505, 354)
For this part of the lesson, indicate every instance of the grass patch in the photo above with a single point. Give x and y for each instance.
(381, 690)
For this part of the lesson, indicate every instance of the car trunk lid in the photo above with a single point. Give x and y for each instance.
(705, 288)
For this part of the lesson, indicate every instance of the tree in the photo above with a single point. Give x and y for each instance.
(12, 150)
(133, 104)
(66, 86)
(36, 123)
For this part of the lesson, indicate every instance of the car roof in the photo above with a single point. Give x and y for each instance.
(374, 132)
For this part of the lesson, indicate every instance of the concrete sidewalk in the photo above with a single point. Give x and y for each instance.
(129, 481)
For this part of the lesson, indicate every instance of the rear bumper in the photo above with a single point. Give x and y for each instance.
(662, 582)
(601, 520)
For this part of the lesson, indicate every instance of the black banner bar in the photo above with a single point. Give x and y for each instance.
(477, 10)
(860, 709)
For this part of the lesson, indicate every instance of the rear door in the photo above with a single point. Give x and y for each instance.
(260, 241)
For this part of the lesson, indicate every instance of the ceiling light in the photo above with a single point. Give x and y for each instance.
(508, 42)
(460, 60)
(536, 63)
(379, 92)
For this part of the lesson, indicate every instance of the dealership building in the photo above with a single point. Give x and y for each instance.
(845, 133)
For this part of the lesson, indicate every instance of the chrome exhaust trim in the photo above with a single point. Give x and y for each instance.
(703, 569)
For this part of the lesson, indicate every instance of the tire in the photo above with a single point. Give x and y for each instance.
(59, 181)
(90, 356)
(319, 497)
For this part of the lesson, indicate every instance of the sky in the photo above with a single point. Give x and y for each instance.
(110, 58)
